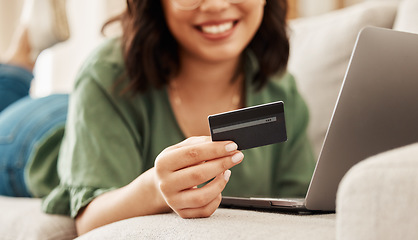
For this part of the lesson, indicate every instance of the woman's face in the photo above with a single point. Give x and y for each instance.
(215, 31)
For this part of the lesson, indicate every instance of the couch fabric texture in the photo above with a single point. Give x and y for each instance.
(383, 209)
(376, 198)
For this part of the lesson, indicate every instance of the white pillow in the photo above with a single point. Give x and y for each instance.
(407, 17)
(321, 47)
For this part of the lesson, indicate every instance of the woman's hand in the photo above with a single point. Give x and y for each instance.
(184, 166)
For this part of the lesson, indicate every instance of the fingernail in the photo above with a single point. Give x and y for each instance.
(227, 174)
(237, 157)
(231, 147)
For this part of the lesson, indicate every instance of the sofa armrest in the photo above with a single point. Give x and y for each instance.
(377, 198)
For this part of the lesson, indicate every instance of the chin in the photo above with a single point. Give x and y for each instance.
(222, 55)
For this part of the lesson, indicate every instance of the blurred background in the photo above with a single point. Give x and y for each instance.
(56, 68)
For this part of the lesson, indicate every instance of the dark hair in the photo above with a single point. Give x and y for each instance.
(151, 53)
(271, 43)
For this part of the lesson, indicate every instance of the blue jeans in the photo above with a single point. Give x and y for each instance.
(23, 123)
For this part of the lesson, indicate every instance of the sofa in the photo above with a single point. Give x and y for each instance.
(376, 199)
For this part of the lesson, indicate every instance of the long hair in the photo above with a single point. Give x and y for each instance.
(151, 53)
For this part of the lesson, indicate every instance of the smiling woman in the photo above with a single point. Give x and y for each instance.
(137, 140)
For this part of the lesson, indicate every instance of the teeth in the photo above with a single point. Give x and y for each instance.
(216, 29)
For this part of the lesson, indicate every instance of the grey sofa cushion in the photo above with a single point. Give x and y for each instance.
(224, 224)
(22, 218)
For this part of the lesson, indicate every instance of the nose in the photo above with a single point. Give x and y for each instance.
(214, 5)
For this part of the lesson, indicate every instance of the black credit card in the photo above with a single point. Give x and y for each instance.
(250, 127)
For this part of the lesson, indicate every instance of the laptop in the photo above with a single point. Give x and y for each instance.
(377, 110)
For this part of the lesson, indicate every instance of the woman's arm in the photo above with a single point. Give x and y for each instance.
(140, 197)
(169, 185)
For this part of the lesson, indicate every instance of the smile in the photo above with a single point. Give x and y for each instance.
(217, 29)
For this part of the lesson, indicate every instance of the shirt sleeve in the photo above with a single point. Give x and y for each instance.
(100, 150)
(297, 162)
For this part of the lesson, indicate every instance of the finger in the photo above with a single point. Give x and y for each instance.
(195, 175)
(188, 142)
(199, 197)
(194, 140)
(202, 212)
(195, 154)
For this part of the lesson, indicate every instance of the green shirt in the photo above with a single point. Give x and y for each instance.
(110, 139)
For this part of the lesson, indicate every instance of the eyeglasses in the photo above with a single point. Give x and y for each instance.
(193, 4)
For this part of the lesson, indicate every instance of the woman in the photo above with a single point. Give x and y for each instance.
(136, 138)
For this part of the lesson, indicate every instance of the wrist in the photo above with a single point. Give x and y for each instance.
(158, 196)
(152, 194)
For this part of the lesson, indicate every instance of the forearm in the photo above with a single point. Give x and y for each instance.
(139, 198)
